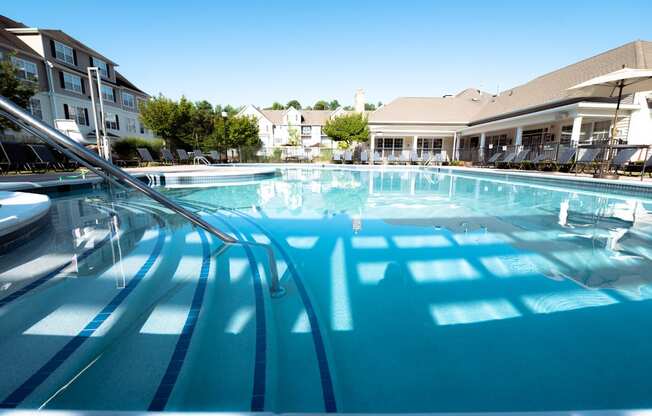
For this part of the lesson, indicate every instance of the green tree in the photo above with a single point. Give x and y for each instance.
(243, 132)
(321, 105)
(276, 106)
(334, 105)
(168, 119)
(369, 107)
(12, 88)
(293, 103)
(348, 128)
(201, 122)
(294, 139)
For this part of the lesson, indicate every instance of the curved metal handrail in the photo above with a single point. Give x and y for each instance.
(110, 172)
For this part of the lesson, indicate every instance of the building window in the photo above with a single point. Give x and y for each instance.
(389, 145)
(101, 66)
(107, 93)
(112, 122)
(142, 128)
(306, 130)
(34, 108)
(64, 53)
(72, 83)
(131, 125)
(79, 114)
(601, 131)
(25, 70)
(428, 145)
(128, 100)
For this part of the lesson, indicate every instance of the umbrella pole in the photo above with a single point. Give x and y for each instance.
(614, 130)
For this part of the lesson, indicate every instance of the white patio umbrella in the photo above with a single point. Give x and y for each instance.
(622, 81)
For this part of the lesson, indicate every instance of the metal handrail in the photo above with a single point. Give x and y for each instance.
(112, 173)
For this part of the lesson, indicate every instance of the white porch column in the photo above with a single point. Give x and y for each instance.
(575, 134)
(414, 143)
(454, 155)
(372, 144)
(518, 140)
(483, 139)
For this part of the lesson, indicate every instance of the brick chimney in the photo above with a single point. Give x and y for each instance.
(358, 100)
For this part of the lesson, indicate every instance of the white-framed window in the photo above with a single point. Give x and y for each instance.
(131, 125)
(428, 145)
(77, 113)
(142, 128)
(128, 100)
(101, 66)
(34, 107)
(111, 121)
(306, 130)
(601, 130)
(64, 53)
(107, 93)
(26, 70)
(72, 83)
(389, 145)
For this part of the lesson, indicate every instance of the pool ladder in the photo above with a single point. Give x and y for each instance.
(114, 174)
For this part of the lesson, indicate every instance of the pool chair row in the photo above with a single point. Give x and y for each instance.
(578, 160)
(166, 157)
(32, 158)
(405, 157)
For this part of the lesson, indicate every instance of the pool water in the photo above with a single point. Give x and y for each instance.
(405, 291)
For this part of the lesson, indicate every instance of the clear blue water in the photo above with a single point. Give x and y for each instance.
(406, 291)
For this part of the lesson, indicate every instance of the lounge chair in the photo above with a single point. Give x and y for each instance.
(425, 158)
(233, 155)
(622, 159)
(183, 156)
(364, 156)
(404, 157)
(414, 157)
(45, 154)
(337, 157)
(348, 157)
(22, 158)
(145, 156)
(587, 159)
(391, 159)
(377, 158)
(494, 159)
(564, 159)
(167, 156)
(506, 161)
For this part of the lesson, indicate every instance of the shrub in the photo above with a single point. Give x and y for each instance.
(126, 148)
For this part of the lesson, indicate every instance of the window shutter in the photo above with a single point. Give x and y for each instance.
(91, 58)
(53, 48)
(81, 80)
(66, 113)
(74, 56)
(115, 97)
(117, 122)
(63, 83)
(86, 116)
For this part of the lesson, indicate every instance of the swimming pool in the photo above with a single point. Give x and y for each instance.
(406, 290)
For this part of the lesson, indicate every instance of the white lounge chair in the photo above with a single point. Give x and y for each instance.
(377, 158)
(364, 156)
(337, 157)
(391, 159)
(348, 157)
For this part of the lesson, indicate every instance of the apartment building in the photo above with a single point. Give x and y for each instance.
(58, 64)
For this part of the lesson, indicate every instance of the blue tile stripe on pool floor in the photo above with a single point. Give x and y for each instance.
(49, 276)
(164, 390)
(33, 382)
(328, 392)
(260, 360)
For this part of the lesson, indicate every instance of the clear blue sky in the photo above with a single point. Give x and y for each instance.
(261, 51)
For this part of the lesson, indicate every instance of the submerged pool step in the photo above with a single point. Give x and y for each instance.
(78, 318)
(134, 366)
